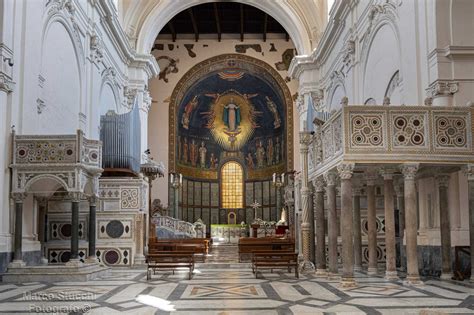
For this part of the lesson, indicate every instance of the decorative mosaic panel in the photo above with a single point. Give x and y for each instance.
(450, 131)
(380, 222)
(61, 230)
(366, 130)
(114, 256)
(46, 152)
(114, 229)
(61, 255)
(409, 130)
(129, 198)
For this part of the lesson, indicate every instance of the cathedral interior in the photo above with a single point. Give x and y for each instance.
(284, 157)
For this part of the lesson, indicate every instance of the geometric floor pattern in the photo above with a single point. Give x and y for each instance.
(234, 291)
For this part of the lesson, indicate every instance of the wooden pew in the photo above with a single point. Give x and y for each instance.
(204, 242)
(158, 247)
(169, 261)
(247, 245)
(274, 260)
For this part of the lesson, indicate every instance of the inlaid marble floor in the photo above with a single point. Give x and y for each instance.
(233, 291)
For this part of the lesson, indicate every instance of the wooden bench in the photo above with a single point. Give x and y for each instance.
(169, 261)
(247, 245)
(205, 243)
(197, 249)
(274, 260)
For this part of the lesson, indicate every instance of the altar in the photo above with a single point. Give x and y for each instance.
(228, 233)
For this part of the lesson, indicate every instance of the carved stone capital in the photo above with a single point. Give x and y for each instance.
(301, 105)
(146, 101)
(319, 184)
(305, 139)
(442, 180)
(344, 101)
(129, 94)
(18, 197)
(6, 83)
(442, 88)
(371, 176)
(387, 173)
(356, 190)
(409, 171)
(330, 178)
(345, 170)
(75, 196)
(93, 199)
(469, 171)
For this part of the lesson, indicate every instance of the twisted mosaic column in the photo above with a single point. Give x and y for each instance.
(307, 238)
(345, 173)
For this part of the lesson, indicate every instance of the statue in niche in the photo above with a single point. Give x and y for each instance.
(185, 151)
(277, 150)
(194, 153)
(270, 152)
(188, 110)
(213, 161)
(272, 107)
(260, 153)
(202, 155)
(249, 160)
(232, 116)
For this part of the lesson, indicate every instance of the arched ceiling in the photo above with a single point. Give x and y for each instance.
(304, 21)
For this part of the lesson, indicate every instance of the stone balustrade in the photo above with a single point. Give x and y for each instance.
(383, 134)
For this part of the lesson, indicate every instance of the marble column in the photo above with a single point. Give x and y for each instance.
(401, 224)
(390, 245)
(357, 228)
(445, 226)
(409, 173)
(18, 234)
(75, 199)
(92, 228)
(306, 237)
(345, 173)
(371, 176)
(320, 254)
(333, 229)
(469, 170)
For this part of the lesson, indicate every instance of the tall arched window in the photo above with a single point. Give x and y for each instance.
(232, 186)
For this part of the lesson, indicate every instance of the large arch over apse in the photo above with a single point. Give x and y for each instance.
(151, 20)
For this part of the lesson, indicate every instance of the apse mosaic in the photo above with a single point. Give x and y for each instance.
(231, 107)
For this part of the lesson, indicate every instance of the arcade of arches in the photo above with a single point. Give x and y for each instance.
(160, 154)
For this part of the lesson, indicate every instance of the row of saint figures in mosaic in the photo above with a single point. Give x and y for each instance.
(260, 153)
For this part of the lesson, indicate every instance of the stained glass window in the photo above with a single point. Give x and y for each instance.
(232, 187)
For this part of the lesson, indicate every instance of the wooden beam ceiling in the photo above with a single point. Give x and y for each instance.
(218, 22)
(241, 22)
(195, 27)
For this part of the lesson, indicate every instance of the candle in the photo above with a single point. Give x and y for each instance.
(274, 177)
(171, 178)
(180, 178)
(283, 177)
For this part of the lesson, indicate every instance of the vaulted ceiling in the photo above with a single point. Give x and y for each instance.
(222, 18)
